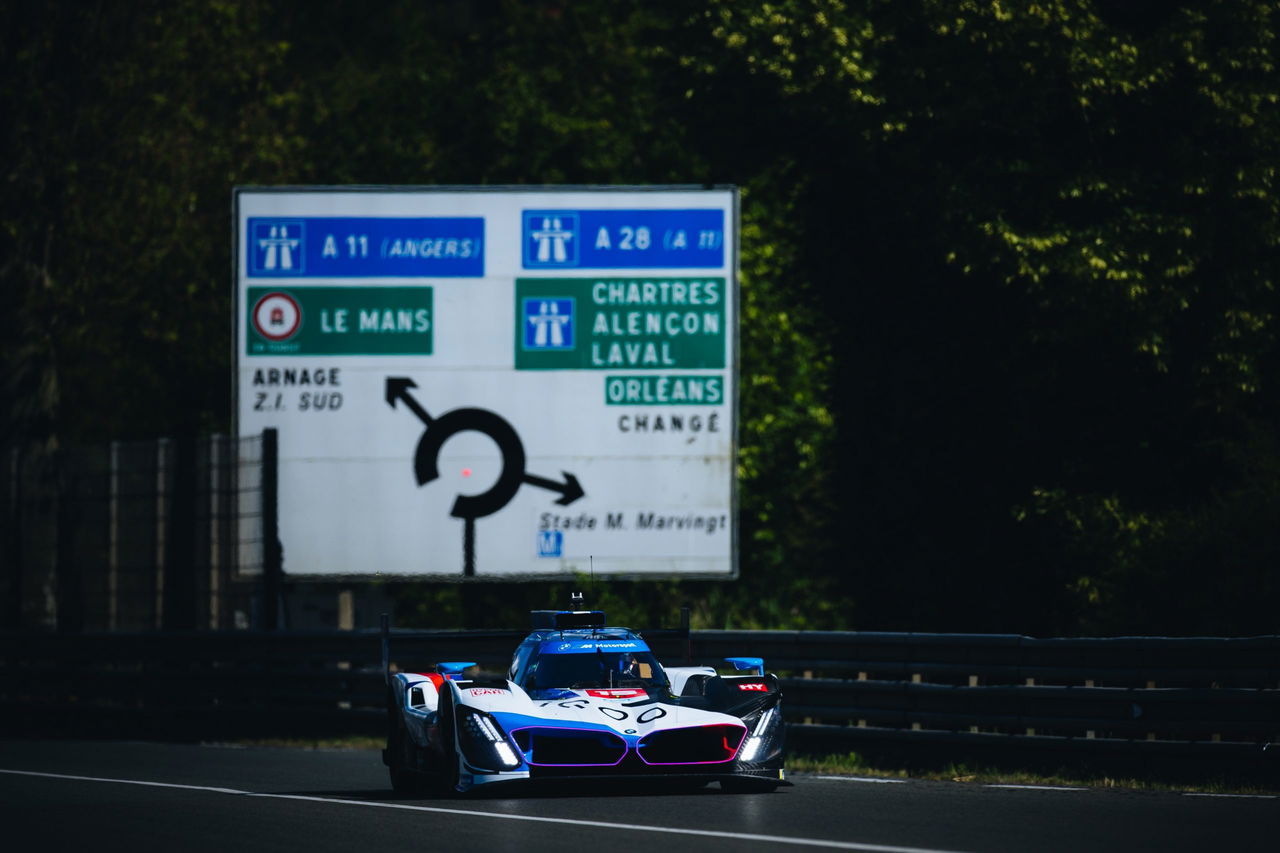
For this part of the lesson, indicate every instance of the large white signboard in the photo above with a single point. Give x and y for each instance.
(493, 383)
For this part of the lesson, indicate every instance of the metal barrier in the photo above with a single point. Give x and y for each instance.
(1211, 698)
(1198, 688)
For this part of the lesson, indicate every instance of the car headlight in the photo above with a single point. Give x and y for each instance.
(482, 741)
(764, 733)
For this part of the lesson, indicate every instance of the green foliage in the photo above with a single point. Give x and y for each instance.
(1055, 286)
(1008, 286)
(127, 127)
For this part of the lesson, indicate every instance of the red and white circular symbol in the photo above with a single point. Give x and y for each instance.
(277, 316)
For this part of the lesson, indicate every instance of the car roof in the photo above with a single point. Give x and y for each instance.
(578, 634)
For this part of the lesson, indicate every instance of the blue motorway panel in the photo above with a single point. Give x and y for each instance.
(364, 247)
(623, 239)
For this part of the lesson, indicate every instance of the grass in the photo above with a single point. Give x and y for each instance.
(853, 764)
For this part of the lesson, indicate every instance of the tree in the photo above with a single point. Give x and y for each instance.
(1048, 232)
(128, 128)
(1008, 272)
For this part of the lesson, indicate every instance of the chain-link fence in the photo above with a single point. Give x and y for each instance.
(168, 534)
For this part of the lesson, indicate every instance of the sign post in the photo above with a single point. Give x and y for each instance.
(478, 383)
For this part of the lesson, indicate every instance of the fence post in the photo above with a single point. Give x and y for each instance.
(179, 598)
(164, 508)
(11, 615)
(68, 585)
(214, 457)
(113, 539)
(272, 551)
(223, 462)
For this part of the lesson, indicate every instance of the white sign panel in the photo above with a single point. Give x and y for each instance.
(493, 383)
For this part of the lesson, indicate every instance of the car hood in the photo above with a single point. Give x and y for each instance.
(628, 711)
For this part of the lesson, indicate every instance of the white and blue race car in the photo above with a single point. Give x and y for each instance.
(585, 701)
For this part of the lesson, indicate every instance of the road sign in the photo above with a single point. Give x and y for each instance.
(493, 383)
(385, 320)
(624, 239)
(365, 247)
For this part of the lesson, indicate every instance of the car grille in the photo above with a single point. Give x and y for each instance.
(697, 745)
(561, 747)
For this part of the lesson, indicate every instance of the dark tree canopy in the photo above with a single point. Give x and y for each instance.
(1009, 270)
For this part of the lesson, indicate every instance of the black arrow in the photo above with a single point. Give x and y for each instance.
(398, 389)
(492, 425)
(569, 490)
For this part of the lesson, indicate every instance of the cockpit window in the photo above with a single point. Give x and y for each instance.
(599, 669)
(517, 662)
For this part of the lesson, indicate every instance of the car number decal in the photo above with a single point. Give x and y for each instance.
(650, 715)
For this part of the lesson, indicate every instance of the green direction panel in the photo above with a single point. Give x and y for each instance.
(651, 389)
(620, 323)
(339, 321)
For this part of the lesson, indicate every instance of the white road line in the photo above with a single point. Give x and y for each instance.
(1233, 796)
(669, 830)
(124, 781)
(871, 779)
(1038, 787)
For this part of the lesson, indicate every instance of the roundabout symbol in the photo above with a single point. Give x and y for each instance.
(426, 461)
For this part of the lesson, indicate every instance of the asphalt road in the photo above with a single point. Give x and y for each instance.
(106, 796)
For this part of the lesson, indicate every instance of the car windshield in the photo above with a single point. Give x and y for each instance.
(598, 669)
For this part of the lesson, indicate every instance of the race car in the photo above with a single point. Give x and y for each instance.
(583, 701)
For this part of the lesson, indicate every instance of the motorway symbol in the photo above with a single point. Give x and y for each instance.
(551, 239)
(548, 323)
(277, 247)
(470, 507)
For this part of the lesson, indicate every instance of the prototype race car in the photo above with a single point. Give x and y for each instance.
(585, 701)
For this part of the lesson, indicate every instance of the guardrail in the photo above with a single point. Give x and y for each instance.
(949, 696)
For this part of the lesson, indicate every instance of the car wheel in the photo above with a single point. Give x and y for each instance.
(448, 741)
(403, 780)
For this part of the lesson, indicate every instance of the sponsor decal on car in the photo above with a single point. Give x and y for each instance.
(618, 693)
(758, 686)
(486, 691)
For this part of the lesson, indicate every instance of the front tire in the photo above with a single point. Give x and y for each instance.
(399, 758)
(448, 741)
(403, 781)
